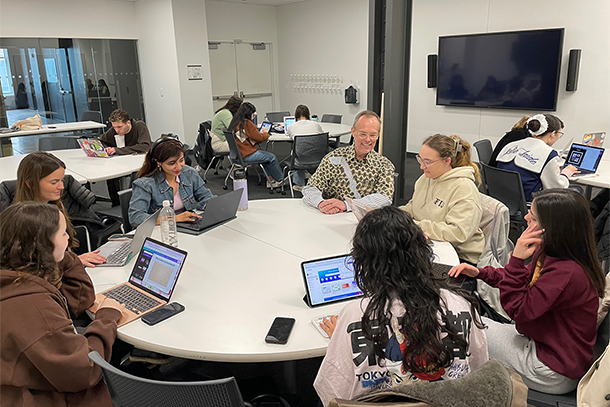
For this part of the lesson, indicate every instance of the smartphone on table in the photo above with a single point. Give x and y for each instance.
(161, 314)
(280, 330)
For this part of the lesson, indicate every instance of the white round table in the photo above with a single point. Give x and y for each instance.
(239, 276)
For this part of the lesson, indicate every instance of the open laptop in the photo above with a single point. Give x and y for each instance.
(288, 120)
(594, 139)
(585, 158)
(118, 253)
(151, 283)
(93, 147)
(217, 211)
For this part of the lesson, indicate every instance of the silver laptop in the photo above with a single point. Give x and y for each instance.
(594, 139)
(118, 253)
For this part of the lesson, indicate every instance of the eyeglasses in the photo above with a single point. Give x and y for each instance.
(426, 163)
(561, 133)
(363, 135)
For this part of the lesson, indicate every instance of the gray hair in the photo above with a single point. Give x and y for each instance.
(368, 113)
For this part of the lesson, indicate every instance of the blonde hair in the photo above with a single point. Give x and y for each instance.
(521, 123)
(456, 149)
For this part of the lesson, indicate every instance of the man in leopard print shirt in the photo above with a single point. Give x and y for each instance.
(356, 172)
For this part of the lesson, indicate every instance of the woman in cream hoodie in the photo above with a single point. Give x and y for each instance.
(446, 203)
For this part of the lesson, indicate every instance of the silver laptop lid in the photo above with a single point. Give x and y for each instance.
(142, 232)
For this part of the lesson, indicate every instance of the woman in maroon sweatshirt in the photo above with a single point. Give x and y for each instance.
(44, 361)
(553, 300)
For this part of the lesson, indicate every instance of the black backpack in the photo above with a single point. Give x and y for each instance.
(203, 147)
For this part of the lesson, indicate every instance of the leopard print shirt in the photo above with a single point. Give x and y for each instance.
(373, 175)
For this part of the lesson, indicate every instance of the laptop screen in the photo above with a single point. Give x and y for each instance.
(288, 120)
(157, 268)
(584, 157)
(330, 280)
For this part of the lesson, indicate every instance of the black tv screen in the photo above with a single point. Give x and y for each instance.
(505, 70)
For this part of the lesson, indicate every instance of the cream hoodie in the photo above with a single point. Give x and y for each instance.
(449, 209)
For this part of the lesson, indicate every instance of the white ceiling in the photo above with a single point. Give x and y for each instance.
(259, 2)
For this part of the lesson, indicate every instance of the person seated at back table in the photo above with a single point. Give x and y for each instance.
(44, 361)
(446, 203)
(355, 171)
(410, 325)
(553, 300)
(518, 132)
(248, 137)
(164, 176)
(221, 122)
(534, 157)
(134, 138)
(302, 126)
(40, 177)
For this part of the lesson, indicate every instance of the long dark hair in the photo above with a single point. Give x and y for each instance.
(232, 105)
(564, 215)
(393, 262)
(161, 151)
(26, 236)
(34, 167)
(244, 113)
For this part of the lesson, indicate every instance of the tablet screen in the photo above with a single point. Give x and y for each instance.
(330, 280)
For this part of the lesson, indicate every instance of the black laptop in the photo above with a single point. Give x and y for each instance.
(217, 211)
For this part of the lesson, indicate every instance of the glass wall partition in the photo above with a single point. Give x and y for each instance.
(67, 80)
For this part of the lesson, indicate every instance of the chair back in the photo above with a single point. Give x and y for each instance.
(484, 150)
(203, 146)
(506, 187)
(51, 143)
(130, 391)
(234, 153)
(91, 115)
(276, 117)
(124, 198)
(308, 151)
(331, 118)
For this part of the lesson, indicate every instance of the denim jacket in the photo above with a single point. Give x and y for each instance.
(150, 192)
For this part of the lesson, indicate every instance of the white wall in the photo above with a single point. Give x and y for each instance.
(587, 27)
(323, 37)
(191, 39)
(68, 19)
(159, 67)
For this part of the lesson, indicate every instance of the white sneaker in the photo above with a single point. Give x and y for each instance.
(274, 184)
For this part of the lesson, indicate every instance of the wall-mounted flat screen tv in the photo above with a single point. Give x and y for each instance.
(504, 70)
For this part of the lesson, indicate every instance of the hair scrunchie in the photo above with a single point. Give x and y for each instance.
(544, 125)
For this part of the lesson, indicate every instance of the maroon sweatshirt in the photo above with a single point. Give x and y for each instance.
(558, 312)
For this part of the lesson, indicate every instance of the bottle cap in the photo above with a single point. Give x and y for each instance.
(165, 203)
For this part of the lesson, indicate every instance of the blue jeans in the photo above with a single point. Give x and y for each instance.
(270, 163)
(298, 177)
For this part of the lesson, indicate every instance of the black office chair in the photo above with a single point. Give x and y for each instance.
(238, 160)
(484, 150)
(276, 117)
(506, 187)
(120, 213)
(130, 391)
(50, 143)
(331, 118)
(307, 152)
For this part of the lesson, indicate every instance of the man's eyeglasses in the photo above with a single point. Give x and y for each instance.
(426, 163)
(363, 135)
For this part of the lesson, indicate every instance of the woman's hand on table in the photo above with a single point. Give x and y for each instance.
(329, 325)
(92, 258)
(187, 216)
(465, 269)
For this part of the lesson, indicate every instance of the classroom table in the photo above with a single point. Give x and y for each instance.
(71, 127)
(84, 169)
(334, 130)
(600, 179)
(241, 275)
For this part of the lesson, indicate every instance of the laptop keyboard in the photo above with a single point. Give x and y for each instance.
(134, 300)
(118, 256)
(196, 225)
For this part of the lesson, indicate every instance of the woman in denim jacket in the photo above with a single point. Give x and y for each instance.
(165, 177)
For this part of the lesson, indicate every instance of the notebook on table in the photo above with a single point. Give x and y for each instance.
(118, 253)
(585, 158)
(217, 211)
(151, 283)
(93, 147)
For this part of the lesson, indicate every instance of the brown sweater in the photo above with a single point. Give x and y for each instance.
(137, 141)
(246, 147)
(44, 362)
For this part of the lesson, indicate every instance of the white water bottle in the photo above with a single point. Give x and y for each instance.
(167, 219)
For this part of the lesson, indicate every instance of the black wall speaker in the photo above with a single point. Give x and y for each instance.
(432, 70)
(573, 68)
